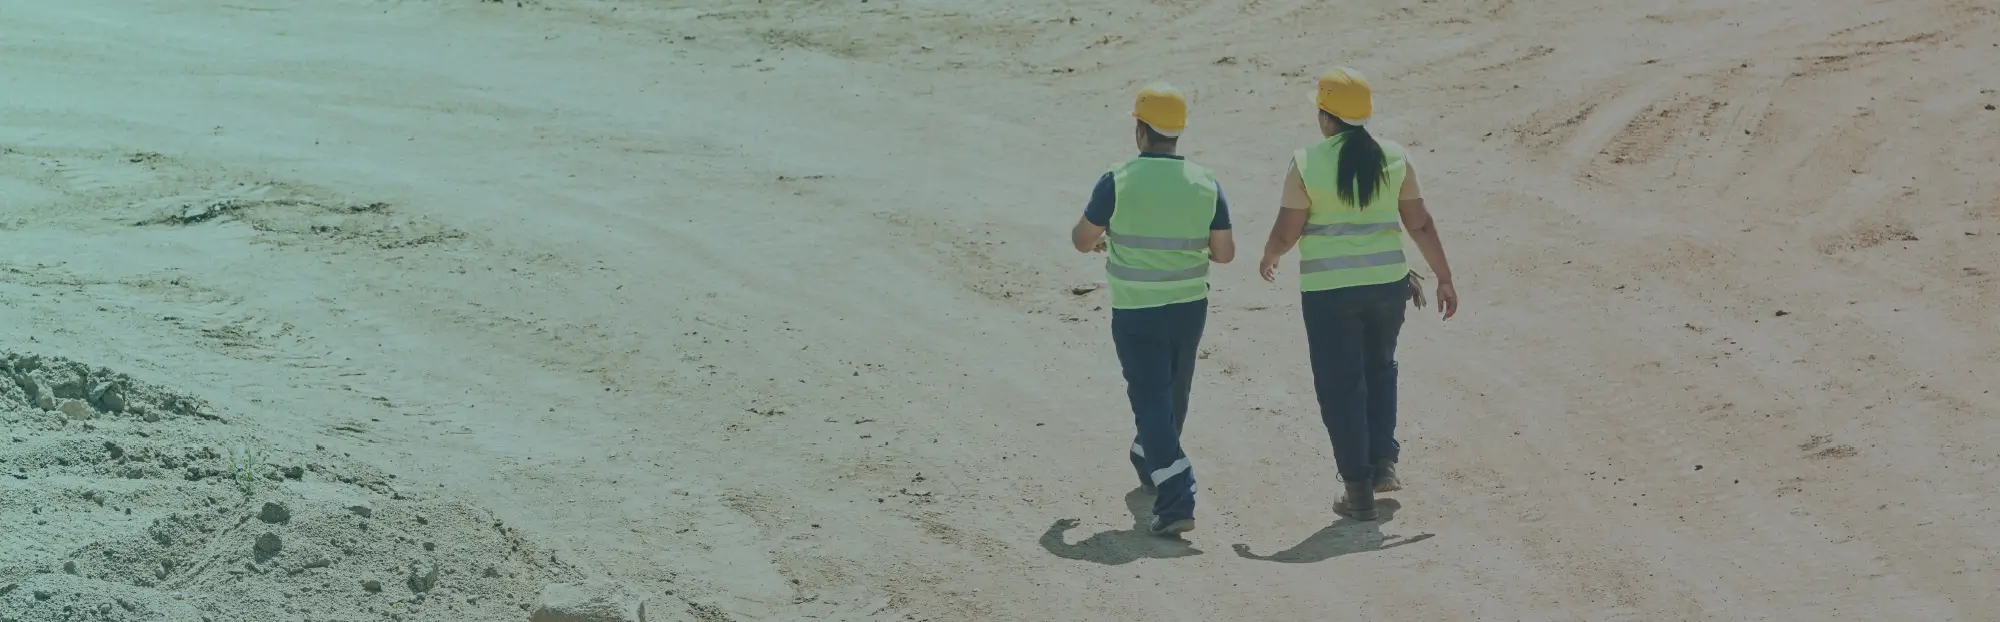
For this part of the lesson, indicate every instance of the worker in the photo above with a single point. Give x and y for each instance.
(1347, 202)
(1166, 220)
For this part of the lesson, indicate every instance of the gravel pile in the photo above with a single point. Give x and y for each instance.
(126, 501)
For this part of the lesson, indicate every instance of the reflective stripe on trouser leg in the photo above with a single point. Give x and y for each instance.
(1178, 467)
(1138, 457)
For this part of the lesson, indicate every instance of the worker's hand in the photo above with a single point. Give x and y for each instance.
(1269, 267)
(1099, 248)
(1447, 299)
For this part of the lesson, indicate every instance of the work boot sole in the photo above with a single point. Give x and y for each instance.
(1174, 528)
(1362, 515)
(1390, 485)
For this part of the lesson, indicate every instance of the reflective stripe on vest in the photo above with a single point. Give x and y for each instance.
(1351, 262)
(1161, 244)
(1343, 246)
(1123, 273)
(1157, 240)
(1354, 229)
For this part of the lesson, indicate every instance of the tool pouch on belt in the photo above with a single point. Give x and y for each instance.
(1417, 289)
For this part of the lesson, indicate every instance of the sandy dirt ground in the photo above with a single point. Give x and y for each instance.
(765, 309)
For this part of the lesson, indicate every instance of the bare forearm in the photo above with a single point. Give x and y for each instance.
(1085, 236)
(1221, 246)
(1285, 232)
(1432, 247)
(1279, 244)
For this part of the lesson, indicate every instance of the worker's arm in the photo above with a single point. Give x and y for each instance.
(1087, 237)
(1292, 212)
(1423, 231)
(1221, 243)
(1088, 234)
(1221, 246)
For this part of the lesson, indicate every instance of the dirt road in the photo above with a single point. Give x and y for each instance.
(766, 307)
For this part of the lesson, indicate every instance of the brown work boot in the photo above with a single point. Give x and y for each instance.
(1359, 504)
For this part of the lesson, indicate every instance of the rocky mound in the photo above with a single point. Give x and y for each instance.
(126, 501)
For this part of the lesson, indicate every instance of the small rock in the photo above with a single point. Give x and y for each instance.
(76, 410)
(108, 397)
(491, 572)
(152, 417)
(69, 567)
(44, 595)
(430, 546)
(371, 586)
(269, 543)
(115, 451)
(274, 513)
(1989, 107)
(361, 511)
(596, 601)
(45, 402)
(295, 472)
(423, 577)
(1085, 288)
(1783, 313)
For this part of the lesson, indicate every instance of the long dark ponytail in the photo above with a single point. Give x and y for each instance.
(1360, 173)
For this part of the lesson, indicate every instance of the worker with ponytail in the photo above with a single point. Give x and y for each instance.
(1348, 200)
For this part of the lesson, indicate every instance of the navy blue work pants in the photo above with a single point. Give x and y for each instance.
(1157, 348)
(1351, 332)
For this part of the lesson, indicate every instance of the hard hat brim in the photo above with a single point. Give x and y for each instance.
(1175, 133)
(1313, 98)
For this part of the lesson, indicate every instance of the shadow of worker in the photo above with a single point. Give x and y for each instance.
(1344, 537)
(1114, 548)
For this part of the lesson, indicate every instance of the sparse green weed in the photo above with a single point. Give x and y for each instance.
(246, 465)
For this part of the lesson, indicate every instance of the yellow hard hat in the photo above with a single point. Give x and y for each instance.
(1344, 93)
(1163, 108)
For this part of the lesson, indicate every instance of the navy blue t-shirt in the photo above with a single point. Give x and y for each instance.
(1103, 200)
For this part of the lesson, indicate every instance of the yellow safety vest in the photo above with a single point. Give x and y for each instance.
(1344, 246)
(1158, 235)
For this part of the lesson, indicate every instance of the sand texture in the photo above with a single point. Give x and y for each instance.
(765, 310)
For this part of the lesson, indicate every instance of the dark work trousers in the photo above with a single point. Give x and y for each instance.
(1352, 332)
(1156, 346)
